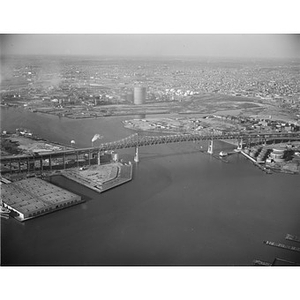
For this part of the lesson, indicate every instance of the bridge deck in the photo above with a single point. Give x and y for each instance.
(136, 140)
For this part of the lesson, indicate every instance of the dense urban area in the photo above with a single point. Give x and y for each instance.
(91, 87)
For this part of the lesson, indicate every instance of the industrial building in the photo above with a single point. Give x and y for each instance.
(32, 197)
(139, 95)
(277, 154)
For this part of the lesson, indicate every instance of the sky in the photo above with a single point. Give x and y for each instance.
(155, 45)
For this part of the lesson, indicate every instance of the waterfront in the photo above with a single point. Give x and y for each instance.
(181, 208)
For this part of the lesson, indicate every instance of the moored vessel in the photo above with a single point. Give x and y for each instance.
(223, 153)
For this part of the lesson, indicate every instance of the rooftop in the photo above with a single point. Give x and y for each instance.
(34, 196)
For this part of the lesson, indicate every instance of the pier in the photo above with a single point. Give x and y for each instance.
(283, 262)
(255, 163)
(292, 238)
(257, 262)
(276, 262)
(99, 178)
(282, 246)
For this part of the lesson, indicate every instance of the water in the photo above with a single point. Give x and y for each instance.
(181, 208)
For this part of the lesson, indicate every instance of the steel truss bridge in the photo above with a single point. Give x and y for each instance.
(83, 156)
(136, 140)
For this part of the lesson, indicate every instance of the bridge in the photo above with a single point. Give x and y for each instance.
(82, 156)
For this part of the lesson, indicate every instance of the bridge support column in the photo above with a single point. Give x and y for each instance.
(136, 156)
(240, 144)
(98, 158)
(210, 149)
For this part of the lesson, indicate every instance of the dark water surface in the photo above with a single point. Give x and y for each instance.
(182, 207)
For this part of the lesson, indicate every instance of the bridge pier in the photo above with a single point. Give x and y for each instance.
(98, 158)
(210, 149)
(240, 144)
(136, 156)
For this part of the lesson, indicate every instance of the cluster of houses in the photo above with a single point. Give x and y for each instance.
(250, 123)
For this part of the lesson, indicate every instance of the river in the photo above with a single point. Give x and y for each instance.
(183, 207)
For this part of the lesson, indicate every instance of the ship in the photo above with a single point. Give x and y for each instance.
(223, 153)
(4, 210)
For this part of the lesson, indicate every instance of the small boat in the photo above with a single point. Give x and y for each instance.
(4, 210)
(223, 153)
(4, 216)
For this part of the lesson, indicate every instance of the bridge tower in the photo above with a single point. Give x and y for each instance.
(240, 144)
(136, 156)
(210, 149)
(98, 158)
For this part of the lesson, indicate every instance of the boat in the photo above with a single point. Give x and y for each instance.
(223, 153)
(4, 210)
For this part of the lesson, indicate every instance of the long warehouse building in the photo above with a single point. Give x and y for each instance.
(32, 197)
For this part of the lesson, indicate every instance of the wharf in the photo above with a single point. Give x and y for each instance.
(283, 262)
(282, 246)
(257, 262)
(255, 163)
(292, 238)
(276, 262)
(99, 178)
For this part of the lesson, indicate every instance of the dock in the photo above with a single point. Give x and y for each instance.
(99, 178)
(292, 238)
(256, 163)
(282, 246)
(283, 262)
(257, 262)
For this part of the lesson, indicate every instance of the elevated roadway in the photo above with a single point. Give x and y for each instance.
(135, 141)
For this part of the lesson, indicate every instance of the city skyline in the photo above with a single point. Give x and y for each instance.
(283, 46)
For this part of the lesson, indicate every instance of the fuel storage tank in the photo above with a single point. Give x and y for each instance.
(139, 95)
